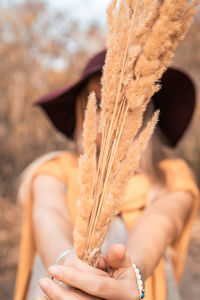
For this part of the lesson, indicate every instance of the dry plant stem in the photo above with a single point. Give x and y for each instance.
(123, 176)
(97, 195)
(110, 128)
(108, 135)
(138, 53)
(101, 197)
(87, 162)
(112, 153)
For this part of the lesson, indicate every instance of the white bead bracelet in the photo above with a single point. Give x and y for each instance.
(140, 281)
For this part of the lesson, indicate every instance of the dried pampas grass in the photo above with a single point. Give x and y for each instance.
(143, 35)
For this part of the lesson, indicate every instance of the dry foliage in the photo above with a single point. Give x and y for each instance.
(143, 36)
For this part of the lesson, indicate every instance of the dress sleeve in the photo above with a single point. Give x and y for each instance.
(179, 177)
(60, 166)
(53, 168)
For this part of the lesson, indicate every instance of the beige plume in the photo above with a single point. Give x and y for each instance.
(142, 38)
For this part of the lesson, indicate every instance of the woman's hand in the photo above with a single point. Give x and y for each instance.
(119, 282)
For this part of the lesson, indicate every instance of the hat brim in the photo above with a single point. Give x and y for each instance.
(176, 101)
(60, 104)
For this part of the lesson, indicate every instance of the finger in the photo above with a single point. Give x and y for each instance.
(102, 265)
(99, 286)
(73, 261)
(51, 289)
(55, 292)
(116, 257)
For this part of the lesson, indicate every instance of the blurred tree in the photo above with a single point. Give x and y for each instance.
(38, 47)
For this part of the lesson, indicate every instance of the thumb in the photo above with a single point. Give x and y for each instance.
(116, 257)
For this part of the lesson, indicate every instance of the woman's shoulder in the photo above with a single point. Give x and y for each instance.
(179, 175)
(57, 164)
(174, 164)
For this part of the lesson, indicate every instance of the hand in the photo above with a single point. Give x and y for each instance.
(119, 282)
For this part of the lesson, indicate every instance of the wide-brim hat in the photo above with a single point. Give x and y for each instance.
(176, 101)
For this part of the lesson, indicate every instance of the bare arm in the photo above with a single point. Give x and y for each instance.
(159, 225)
(52, 227)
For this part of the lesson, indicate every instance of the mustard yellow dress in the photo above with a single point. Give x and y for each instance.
(64, 167)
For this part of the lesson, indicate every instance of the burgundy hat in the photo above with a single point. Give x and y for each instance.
(176, 101)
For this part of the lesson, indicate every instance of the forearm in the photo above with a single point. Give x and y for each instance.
(52, 226)
(147, 242)
(53, 235)
(157, 228)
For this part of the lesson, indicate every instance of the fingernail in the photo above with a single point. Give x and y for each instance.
(44, 284)
(55, 271)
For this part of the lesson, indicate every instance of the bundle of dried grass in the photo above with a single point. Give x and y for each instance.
(143, 35)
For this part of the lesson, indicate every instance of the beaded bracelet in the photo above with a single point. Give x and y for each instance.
(140, 281)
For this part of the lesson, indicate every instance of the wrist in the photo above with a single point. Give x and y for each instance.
(140, 260)
(61, 257)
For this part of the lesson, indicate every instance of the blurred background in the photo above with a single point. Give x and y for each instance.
(43, 46)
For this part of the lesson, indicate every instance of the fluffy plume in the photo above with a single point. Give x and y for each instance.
(87, 167)
(142, 38)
